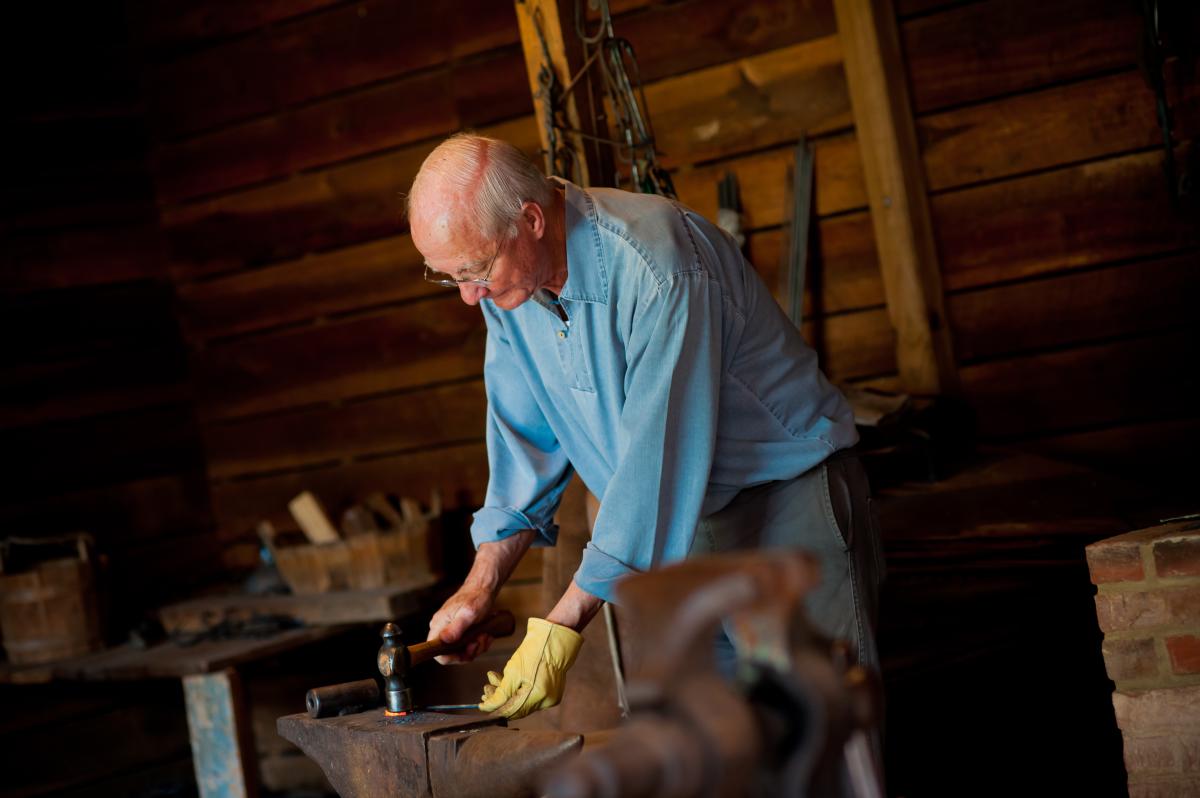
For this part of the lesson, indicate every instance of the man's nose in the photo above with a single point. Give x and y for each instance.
(472, 293)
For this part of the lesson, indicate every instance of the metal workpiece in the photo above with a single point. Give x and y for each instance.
(427, 754)
(781, 727)
(343, 699)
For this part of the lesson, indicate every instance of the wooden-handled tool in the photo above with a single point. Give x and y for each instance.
(395, 660)
(498, 624)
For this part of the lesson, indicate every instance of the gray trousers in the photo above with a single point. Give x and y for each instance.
(826, 511)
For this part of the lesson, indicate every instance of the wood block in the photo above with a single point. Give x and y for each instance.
(311, 518)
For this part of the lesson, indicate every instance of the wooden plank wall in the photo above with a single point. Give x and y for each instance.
(323, 361)
(96, 421)
(287, 134)
(96, 418)
(1068, 273)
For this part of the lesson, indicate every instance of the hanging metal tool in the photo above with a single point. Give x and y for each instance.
(796, 267)
(1168, 28)
(614, 61)
(729, 208)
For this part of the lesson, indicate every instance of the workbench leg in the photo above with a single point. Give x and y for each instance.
(222, 748)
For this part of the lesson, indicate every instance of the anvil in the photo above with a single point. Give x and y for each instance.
(427, 754)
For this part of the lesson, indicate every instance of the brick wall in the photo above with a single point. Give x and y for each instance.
(1148, 606)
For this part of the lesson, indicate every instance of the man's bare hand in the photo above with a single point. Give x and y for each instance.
(494, 562)
(467, 607)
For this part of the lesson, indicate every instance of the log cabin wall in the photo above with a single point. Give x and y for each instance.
(286, 134)
(96, 421)
(324, 362)
(1068, 274)
(281, 136)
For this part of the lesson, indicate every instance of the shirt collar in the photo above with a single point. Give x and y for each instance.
(587, 277)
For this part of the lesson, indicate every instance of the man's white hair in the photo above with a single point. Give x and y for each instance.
(506, 180)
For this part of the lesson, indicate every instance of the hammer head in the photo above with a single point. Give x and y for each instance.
(394, 662)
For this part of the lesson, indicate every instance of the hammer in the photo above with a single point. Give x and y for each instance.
(395, 660)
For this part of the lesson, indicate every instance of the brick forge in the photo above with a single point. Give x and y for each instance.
(1148, 606)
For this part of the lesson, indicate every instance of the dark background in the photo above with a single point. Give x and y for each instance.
(209, 303)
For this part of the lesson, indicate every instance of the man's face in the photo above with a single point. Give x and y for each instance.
(460, 252)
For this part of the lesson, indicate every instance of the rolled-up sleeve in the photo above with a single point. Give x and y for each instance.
(666, 437)
(528, 470)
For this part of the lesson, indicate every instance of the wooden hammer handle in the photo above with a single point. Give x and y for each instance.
(498, 624)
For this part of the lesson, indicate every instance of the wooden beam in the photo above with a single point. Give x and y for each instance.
(896, 192)
(548, 30)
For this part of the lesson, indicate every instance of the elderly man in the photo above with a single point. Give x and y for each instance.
(630, 342)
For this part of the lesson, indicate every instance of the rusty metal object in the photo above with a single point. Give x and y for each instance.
(395, 659)
(427, 754)
(782, 727)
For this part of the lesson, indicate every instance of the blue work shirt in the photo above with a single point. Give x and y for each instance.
(674, 382)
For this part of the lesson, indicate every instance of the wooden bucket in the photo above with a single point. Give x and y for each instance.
(50, 612)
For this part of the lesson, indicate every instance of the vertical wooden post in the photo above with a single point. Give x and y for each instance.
(548, 29)
(222, 751)
(896, 189)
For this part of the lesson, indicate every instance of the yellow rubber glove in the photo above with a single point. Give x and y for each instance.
(535, 675)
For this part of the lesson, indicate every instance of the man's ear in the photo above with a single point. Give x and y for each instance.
(534, 215)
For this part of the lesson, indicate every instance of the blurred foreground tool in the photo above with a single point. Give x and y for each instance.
(795, 722)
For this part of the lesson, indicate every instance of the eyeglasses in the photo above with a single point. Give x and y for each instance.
(432, 275)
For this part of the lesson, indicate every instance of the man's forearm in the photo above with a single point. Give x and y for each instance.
(495, 561)
(575, 608)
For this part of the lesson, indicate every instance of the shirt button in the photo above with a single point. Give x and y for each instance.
(562, 334)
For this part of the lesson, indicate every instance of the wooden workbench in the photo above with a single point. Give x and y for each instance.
(219, 730)
(222, 746)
